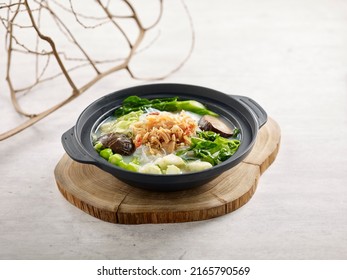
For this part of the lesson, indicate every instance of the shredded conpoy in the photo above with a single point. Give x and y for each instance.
(163, 130)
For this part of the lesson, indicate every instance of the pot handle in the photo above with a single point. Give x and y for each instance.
(259, 112)
(73, 149)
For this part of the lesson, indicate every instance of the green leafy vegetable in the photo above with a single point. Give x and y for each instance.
(121, 124)
(172, 104)
(211, 147)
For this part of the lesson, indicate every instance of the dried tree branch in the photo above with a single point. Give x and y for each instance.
(54, 50)
(44, 58)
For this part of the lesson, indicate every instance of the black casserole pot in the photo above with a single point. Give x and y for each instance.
(242, 111)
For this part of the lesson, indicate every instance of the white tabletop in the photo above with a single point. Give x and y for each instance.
(289, 56)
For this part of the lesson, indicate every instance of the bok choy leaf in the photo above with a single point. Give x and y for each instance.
(211, 147)
(171, 104)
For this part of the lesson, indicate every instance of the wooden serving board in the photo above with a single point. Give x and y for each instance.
(107, 198)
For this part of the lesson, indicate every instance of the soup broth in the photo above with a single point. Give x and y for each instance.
(165, 139)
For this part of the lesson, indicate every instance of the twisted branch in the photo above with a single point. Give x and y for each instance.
(34, 12)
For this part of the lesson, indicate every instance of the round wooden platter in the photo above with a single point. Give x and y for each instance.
(107, 198)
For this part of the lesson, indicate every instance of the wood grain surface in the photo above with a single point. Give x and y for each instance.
(107, 198)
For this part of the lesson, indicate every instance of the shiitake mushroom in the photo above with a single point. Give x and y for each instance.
(211, 123)
(119, 143)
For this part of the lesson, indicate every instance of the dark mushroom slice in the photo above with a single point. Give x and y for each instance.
(211, 123)
(118, 143)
